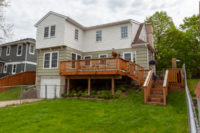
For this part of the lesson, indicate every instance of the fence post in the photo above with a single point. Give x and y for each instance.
(45, 91)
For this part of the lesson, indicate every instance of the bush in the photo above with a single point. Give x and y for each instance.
(64, 95)
(79, 88)
(105, 94)
(84, 94)
(93, 93)
(117, 94)
(79, 93)
(122, 87)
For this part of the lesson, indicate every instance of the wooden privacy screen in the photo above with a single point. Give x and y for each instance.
(24, 78)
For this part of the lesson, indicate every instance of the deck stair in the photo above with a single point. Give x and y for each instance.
(156, 93)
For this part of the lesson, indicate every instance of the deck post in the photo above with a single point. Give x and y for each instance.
(113, 85)
(89, 86)
(68, 86)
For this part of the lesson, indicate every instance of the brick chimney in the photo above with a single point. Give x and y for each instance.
(149, 30)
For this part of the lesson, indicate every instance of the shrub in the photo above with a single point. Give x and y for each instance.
(79, 88)
(122, 87)
(93, 93)
(64, 95)
(84, 94)
(117, 94)
(105, 94)
(79, 93)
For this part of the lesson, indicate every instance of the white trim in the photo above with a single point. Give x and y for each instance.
(131, 55)
(7, 54)
(18, 49)
(1, 51)
(50, 63)
(30, 49)
(25, 57)
(5, 71)
(15, 68)
(103, 54)
(21, 62)
(88, 56)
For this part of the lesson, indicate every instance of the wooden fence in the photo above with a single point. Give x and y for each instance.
(23, 78)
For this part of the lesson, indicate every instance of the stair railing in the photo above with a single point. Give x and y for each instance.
(147, 86)
(165, 86)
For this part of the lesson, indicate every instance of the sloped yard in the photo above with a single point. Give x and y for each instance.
(11, 94)
(124, 115)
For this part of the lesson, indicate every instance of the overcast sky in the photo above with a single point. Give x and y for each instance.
(23, 14)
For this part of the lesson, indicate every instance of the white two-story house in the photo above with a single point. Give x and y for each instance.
(60, 38)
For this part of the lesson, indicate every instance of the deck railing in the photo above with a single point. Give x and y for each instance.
(147, 86)
(102, 66)
(165, 86)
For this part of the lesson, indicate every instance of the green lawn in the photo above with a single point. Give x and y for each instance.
(125, 115)
(192, 83)
(11, 94)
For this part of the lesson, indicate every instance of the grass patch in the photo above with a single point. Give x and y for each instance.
(128, 114)
(11, 94)
(192, 84)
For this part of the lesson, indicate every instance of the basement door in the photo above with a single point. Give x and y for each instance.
(50, 88)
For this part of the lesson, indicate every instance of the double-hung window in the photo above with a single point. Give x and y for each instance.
(31, 49)
(124, 32)
(76, 34)
(19, 50)
(98, 36)
(8, 50)
(51, 60)
(5, 68)
(53, 30)
(14, 68)
(46, 32)
(130, 56)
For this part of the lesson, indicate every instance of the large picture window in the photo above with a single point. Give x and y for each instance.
(130, 56)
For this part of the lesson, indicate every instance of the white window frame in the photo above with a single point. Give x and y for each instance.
(78, 55)
(121, 31)
(50, 64)
(15, 68)
(18, 49)
(103, 54)
(5, 70)
(30, 49)
(100, 36)
(75, 35)
(1, 51)
(50, 31)
(134, 52)
(7, 54)
(88, 56)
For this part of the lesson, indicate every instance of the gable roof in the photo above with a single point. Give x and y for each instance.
(30, 40)
(72, 21)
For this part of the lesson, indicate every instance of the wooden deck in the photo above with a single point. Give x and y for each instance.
(104, 66)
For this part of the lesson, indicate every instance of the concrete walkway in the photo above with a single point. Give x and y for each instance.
(15, 102)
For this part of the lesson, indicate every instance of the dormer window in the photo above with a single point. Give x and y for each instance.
(53, 30)
(46, 32)
(8, 50)
(19, 50)
(124, 32)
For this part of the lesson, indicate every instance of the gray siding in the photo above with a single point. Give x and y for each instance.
(30, 67)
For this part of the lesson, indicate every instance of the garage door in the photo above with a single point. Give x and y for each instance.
(50, 88)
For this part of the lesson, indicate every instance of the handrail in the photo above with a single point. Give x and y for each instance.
(147, 86)
(165, 87)
(192, 118)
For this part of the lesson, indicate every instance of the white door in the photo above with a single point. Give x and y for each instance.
(50, 88)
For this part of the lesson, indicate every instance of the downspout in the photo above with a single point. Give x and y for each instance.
(25, 58)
